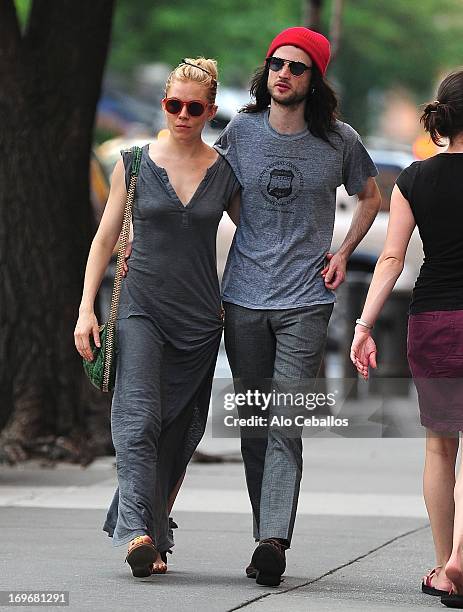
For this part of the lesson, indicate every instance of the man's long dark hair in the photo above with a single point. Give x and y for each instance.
(321, 108)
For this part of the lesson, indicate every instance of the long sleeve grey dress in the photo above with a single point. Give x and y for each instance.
(169, 328)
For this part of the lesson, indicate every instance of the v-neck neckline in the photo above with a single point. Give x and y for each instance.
(173, 194)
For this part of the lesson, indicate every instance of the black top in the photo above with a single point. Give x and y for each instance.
(434, 189)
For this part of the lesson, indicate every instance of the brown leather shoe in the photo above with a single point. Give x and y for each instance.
(141, 555)
(269, 560)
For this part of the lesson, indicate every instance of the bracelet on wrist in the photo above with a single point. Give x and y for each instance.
(363, 323)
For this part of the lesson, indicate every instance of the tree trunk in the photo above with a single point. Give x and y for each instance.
(336, 27)
(51, 76)
(311, 14)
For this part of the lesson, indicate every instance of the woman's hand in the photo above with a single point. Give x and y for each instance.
(363, 351)
(86, 324)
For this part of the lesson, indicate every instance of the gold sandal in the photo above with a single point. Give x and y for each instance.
(141, 555)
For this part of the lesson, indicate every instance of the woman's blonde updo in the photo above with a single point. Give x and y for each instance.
(199, 70)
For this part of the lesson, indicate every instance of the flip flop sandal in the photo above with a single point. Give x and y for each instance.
(452, 600)
(426, 585)
(141, 556)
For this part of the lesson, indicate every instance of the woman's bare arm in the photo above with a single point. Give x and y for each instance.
(105, 238)
(99, 256)
(391, 261)
(388, 269)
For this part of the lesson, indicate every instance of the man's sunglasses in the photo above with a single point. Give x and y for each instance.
(174, 106)
(296, 68)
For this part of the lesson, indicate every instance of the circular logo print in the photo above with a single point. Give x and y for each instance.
(280, 183)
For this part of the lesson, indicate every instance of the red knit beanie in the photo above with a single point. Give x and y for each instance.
(313, 43)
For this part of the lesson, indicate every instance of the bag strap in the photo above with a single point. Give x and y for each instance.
(110, 325)
(124, 237)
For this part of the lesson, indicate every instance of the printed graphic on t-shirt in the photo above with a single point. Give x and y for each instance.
(280, 183)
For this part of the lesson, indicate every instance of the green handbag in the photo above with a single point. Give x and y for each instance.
(102, 370)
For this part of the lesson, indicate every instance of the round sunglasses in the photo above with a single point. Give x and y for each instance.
(174, 106)
(296, 68)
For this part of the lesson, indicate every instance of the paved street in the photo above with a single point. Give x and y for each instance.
(361, 540)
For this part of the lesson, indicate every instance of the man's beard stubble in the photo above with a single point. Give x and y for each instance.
(291, 101)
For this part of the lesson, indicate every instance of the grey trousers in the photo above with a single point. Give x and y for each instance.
(274, 349)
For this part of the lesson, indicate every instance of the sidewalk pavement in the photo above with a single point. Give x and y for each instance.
(362, 539)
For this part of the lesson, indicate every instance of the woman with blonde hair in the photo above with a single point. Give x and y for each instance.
(170, 320)
(429, 194)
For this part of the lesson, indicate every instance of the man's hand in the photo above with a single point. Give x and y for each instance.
(335, 272)
(128, 252)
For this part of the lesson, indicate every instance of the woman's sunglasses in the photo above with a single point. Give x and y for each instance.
(174, 106)
(296, 68)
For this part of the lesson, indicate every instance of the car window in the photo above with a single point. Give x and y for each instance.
(386, 179)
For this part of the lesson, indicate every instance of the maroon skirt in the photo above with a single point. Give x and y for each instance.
(435, 357)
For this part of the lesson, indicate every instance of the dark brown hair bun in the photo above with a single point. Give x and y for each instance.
(443, 118)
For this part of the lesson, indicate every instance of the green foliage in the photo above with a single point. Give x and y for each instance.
(401, 43)
(101, 135)
(22, 8)
(235, 32)
(384, 43)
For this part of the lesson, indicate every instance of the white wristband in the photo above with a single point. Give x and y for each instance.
(363, 323)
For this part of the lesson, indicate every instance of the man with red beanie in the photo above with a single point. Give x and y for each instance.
(290, 153)
(313, 43)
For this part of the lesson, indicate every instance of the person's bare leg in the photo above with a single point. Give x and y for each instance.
(438, 489)
(454, 569)
(159, 566)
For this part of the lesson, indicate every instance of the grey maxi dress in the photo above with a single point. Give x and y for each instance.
(169, 328)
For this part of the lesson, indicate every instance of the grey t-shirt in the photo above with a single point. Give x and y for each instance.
(287, 213)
